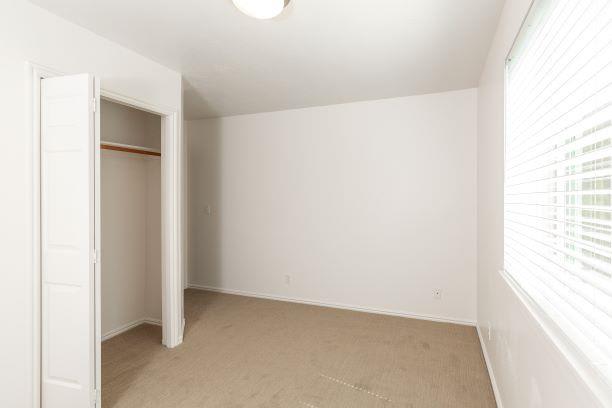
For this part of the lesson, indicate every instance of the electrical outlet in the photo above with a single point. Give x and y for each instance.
(287, 280)
(437, 294)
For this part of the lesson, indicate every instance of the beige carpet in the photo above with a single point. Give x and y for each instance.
(246, 352)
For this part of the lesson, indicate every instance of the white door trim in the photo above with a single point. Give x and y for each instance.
(172, 202)
(172, 215)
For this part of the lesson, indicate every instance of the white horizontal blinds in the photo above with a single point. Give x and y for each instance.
(558, 169)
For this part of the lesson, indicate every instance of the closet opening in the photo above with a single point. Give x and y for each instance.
(131, 231)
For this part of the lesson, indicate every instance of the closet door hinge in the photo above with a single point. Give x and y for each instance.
(95, 256)
(95, 396)
(94, 104)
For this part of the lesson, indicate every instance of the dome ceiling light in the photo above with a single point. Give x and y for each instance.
(261, 9)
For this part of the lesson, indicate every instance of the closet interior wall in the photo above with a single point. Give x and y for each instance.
(131, 220)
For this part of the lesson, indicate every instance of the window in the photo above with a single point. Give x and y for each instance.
(558, 171)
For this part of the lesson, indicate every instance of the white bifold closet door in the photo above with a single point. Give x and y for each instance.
(68, 241)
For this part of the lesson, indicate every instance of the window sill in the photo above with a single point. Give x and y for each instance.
(582, 367)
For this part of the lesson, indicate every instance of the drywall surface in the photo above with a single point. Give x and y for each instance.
(131, 219)
(126, 125)
(528, 370)
(369, 205)
(28, 33)
(153, 287)
(124, 222)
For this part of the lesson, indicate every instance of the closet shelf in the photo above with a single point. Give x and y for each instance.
(129, 148)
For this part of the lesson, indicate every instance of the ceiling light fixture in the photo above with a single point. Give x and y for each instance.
(261, 9)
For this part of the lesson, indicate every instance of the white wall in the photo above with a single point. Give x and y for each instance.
(153, 287)
(528, 369)
(369, 204)
(123, 124)
(131, 219)
(28, 33)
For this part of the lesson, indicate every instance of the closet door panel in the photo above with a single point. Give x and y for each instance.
(67, 241)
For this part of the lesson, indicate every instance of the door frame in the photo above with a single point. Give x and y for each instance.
(172, 160)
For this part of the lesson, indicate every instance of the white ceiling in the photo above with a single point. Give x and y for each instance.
(318, 52)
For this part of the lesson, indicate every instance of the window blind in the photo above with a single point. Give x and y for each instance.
(558, 170)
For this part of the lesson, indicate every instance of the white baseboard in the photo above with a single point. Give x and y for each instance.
(490, 369)
(440, 319)
(122, 329)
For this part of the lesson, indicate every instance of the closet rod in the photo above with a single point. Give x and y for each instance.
(128, 148)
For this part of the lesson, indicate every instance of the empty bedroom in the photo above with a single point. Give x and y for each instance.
(306, 204)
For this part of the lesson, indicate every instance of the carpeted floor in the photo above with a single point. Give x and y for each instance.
(247, 352)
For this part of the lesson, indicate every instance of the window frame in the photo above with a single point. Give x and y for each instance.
(581, 366)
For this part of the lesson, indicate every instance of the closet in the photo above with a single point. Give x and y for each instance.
(130, 176)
